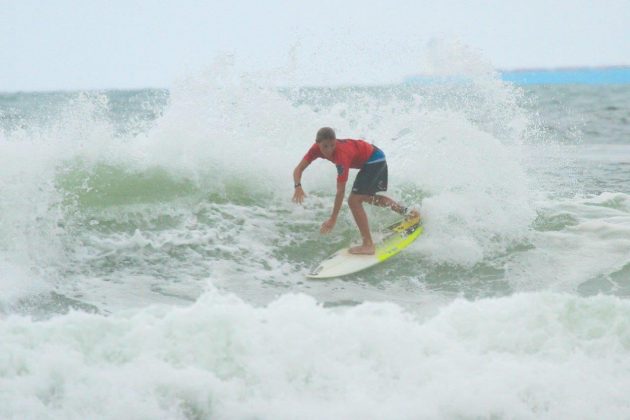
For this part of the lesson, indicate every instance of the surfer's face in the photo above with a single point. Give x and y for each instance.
(327, 147)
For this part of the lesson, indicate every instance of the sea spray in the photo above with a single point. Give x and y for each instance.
(216, 162)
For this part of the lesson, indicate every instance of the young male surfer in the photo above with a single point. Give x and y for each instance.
(372, 178)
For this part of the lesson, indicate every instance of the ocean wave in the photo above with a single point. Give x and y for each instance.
(539, 355)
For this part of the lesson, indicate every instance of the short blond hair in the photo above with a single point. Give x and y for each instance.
(325, 133)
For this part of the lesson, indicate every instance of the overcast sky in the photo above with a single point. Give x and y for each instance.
(72, 44)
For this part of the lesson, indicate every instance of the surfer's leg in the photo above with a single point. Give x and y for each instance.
(384, 201)
(371, 181)
(355, 202)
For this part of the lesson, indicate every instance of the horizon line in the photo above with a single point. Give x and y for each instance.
(405, 80)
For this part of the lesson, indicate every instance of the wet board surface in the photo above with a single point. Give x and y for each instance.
(397, 237)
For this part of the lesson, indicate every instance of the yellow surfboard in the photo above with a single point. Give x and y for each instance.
(398, 237)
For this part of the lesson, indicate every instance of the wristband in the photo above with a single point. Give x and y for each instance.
(298, 185)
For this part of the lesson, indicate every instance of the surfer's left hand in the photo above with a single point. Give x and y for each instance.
(327, 226)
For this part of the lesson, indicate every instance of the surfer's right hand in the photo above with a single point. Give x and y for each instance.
(298, 195)
(327, 226)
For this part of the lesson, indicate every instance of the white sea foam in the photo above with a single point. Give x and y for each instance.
(18, 283)
(536, 355)
(594, 243)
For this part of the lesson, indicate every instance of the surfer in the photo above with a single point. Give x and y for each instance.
(371, 179)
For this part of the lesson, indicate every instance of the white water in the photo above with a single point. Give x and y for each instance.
(180, 258)
(526, 356)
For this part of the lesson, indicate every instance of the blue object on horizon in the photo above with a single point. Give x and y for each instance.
(589, 76)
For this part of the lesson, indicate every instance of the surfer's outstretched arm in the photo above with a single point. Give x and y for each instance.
(298, 195)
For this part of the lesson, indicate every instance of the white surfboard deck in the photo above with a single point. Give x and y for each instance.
(398, 237)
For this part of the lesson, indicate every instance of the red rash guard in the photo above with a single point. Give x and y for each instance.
(348, 154)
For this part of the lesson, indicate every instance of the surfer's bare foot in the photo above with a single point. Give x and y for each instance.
(363, 250)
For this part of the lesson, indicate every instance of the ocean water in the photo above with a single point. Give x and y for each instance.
(152, 263)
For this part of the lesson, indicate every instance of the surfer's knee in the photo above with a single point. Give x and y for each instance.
(354, 200)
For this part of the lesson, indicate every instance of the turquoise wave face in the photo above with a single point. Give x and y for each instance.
(107, 185)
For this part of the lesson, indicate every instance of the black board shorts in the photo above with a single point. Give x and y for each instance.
(372, 177)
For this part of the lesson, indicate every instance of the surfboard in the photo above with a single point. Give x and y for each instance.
(397, 237)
